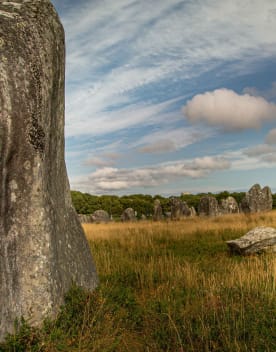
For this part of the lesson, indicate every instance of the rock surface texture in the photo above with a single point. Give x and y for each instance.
(257, 200)
(229, 206)
(260, 239)
(100, 216)
(179, 209)
(157, 211)
(43, 248)
(128, 215)
(85, 218)
(208, 206)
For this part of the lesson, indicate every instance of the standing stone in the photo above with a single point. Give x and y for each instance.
(257, 200)
(157, 211)
(85, 218)
(176, 208)
(192, 212)
(42, 245)
(128, 215)
(100, 216)
(229, 206)
(208, 206)
(179, 209)
(186, 211)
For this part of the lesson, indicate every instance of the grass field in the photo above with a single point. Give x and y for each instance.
(167, 286)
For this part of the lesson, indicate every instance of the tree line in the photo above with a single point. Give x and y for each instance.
(86, 203)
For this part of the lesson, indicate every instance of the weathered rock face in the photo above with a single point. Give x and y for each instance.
(179, 209)
(208, 206)
(43, 248)
(192, 211)
(186, 211)
(257, 200)
(85, 218)
(128, 215)
(157, 211)
(229, 206)
(100, 216)
(176, 209)
(260, 239)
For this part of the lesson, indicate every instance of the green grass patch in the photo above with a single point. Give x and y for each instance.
(164, 292)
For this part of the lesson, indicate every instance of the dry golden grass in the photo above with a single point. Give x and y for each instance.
(168, 286)
(185, 267)
(186, 226)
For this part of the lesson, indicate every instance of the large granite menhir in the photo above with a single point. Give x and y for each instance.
(43, 249)
(208, 206)
(257, 200)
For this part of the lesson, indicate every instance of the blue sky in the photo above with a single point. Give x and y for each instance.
(170, 96)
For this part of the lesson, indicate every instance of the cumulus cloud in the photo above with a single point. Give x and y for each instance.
(267, 94)
(120, 55)
(229, 110)
(109, 179)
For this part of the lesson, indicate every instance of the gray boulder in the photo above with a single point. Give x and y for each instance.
(128, 215)
(229, 206)
(157, 211)
(42, 245)
(100, 216)
(208, 206)
(257, 200)
(260, 239)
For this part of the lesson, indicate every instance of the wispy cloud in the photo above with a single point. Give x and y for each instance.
(260, 150)
(106, 121)
(170, 140)
(264, 153)
(132, 64)
(231, 111)
(113, 179)
(116, 48)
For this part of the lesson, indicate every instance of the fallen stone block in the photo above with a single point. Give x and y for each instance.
(258, 240)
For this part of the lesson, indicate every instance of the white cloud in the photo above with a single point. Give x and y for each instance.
(110, 179)
(229, 110)
(113, 48)
(161, 146)
(267, 94)
(169, 140)
(98, 162)
(105, 122)
(271, 137)
(263, 155)
(259, 150)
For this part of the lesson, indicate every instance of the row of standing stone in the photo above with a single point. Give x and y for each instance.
(255, 200)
